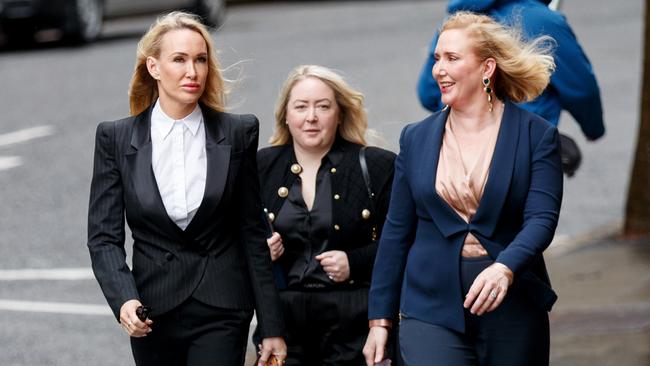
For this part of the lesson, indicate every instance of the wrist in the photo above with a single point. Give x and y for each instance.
(506, 271)
(384, 323)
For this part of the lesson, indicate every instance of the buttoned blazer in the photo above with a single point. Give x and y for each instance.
(220, 259)
(350, 231)
(419, 252)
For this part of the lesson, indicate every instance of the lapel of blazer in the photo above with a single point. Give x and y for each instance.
(217, 149)
(443, 215)
(277, 173)
(138, 157)
(501, 170)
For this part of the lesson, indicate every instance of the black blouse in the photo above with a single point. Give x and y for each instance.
(305, 233)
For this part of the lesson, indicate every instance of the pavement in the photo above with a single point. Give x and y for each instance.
(602, 316)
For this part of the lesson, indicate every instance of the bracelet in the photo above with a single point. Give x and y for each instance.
(385, 323)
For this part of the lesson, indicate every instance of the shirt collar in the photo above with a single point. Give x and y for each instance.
(337, 151)
(164, 124)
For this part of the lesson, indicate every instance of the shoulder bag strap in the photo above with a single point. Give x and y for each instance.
(371, 195)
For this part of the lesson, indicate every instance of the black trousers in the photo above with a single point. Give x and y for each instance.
(195, 334)
(326, 328)
(514, 334)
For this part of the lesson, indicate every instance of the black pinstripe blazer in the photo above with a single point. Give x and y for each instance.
(350, 231)
(220, 259)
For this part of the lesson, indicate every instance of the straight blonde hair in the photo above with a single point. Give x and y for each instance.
(523, 69)
(143, 89)
(353, 117)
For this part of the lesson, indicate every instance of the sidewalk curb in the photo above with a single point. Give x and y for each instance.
(563, 244)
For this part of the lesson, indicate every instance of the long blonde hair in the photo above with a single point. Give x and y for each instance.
(523, 69)
(143, 89)
(353, 118)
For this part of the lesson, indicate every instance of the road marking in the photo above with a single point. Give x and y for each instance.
(55, 307)
(47, 274)
(25, 135)
(8, 162)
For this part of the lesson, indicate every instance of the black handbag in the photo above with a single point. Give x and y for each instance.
(570, 155)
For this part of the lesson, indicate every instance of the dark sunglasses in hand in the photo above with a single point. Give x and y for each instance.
(142, 312)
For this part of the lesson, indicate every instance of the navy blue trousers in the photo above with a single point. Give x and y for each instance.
(514, 334)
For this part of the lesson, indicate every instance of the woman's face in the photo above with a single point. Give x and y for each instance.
(312, 114)
(181, 69)
(457, 70)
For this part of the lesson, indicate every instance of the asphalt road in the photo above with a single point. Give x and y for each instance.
(52, 97)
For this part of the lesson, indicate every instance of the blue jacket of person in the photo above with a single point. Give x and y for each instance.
(573, 85)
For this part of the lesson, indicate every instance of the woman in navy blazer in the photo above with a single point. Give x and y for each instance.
(460, 255)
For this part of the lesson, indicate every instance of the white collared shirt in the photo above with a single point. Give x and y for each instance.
(179, 162)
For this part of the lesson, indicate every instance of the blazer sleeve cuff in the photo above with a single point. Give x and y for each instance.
(361, 261)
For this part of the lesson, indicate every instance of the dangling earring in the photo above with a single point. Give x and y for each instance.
(488, 90)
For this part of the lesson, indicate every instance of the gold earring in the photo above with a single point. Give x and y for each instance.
(488, 90)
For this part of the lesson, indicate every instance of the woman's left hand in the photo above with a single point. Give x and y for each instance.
(489, 289)
(272, 346)
(335, 264)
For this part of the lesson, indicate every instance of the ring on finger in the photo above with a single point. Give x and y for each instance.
(493, 294)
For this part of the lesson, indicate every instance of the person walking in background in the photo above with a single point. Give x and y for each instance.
(573, 85)
(184, 173)
(326, 195)
(475, 201)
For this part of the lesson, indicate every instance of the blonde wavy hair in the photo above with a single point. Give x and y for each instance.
(352, 115)
(523, 69)
(143, 89)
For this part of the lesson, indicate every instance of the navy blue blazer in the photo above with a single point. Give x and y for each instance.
(419, 251)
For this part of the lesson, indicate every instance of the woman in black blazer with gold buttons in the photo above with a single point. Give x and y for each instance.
(324, 221)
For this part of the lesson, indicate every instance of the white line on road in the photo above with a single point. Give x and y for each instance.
(25, 135)
(8, 162)
(55, 307)
(47, 274)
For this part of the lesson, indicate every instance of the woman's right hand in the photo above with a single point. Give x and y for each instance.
(275, 246)
(133, 326)
(374, 350)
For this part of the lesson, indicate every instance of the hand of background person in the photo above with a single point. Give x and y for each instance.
(133, 326)
(489, 289)
(275, 246)
(375, 349)
(335, 263)
(272, 346)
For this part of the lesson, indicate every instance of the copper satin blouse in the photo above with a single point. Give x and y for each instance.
(459, 185)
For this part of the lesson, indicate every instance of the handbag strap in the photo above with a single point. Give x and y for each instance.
(371, 195)
(366, 174)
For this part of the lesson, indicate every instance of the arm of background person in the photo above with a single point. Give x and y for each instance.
(427, 88)
(574, 80)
